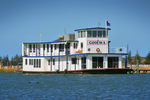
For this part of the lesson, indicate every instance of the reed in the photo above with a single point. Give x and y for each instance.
(7, 70)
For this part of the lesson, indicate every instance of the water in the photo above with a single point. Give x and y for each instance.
(17, 86)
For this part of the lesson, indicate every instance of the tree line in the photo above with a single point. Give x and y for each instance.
(14, 60)
(137, 57)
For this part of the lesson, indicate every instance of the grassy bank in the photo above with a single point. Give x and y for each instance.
(7, 70)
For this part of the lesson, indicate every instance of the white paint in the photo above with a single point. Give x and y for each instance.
(88, 47)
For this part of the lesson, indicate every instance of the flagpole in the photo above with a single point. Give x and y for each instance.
(106, 27)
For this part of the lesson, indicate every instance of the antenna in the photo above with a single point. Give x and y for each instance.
(41, 37)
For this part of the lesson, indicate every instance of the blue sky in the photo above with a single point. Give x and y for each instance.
(24, 20)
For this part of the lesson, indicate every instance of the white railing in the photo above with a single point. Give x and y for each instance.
(117, 50)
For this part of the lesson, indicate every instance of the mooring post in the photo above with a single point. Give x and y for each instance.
(137, 66)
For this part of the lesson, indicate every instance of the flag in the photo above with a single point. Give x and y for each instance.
(108, 24)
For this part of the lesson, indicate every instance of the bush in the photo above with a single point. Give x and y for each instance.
(146, 62)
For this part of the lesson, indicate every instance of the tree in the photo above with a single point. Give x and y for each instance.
(147, 59)
(137, 57)
(16, 59)
(5, 60)
(0, 59)
(148, 56)
(129, 57)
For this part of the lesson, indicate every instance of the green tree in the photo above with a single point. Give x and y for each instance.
(147, 59)
(137, 57)
(5, 60)
(148, 56)
(0, 59)
(129, 57)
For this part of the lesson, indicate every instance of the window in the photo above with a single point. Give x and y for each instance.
(78, 34)
(97, 62)
(81, 45)
(43, 46)
(47, 47)
(81, 34)
(30, 61)
(49, 61)
(37, 63)
(94, 34)
(83, 62)
(99, 33)
(33, 47)
(73, 60)
(104, 34)
(55, 46)
(26, 61)
(61, 47)
(75, 45)
(113, 62)
(89, 33)
(53, 61)
(52, 47)
(30, 47)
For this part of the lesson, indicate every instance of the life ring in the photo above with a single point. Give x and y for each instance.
(98, 50)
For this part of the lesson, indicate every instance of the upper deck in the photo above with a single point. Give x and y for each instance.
(88, 41)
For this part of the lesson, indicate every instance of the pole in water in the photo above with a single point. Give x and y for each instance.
(137, 66)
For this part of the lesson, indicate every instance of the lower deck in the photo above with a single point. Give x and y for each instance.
(72, 63)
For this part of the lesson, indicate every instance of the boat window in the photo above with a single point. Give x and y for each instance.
(99, 33)
(83, 62)
(78, 34)
(53, 61)
(113, 62)
(94, 34)
(43, 46)
(26, 61)
(51, 48)
(37, 63)
(47, 47)
(75, 45)
(33, 47)
(61, 47)
(49, 62)
(30, 61)
(81, 34)
(73, 61)
(104, 34)
(81, 45)
(97, 62)
(89, 33)
(30, 47)
(55, 46)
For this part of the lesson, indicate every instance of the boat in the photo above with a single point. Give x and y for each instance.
(87, 51)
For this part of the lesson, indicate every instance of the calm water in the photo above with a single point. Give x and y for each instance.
(17, 86)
